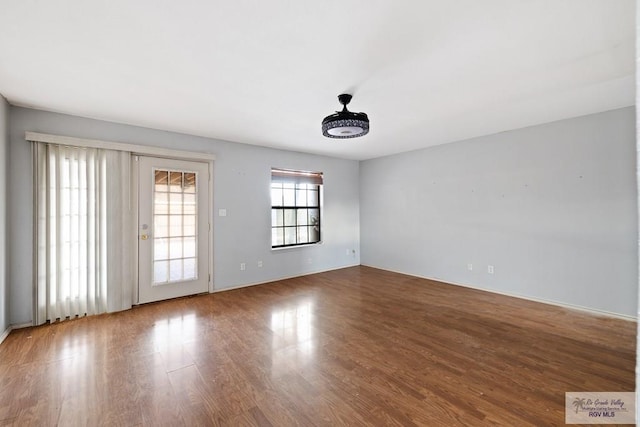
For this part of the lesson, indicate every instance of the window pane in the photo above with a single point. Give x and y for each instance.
(303, 217)
(189, 182)
(189, 224)
(276, 194)
(313, 198)
(161, 226)
(277, 236)
(314, 216)
(314, 234)
(189, 204)
(160, 249)
(303, 236)
(161, 203)
(290, 217)
(160, 271)
(161, 181)
(175, 247)
(189, 268)
(277, 217)
(175, 203)
(175, 182)
(175, 226)
(301, 197)
(189, 248)
(289, 235)
(175, 270)
(289, 195)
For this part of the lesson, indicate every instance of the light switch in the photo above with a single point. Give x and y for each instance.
(222, 212)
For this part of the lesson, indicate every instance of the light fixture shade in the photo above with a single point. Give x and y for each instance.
(345, 124)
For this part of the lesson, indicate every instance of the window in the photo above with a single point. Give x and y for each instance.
(174, 218)
(295, 207)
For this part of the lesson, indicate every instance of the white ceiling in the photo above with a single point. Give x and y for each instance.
(267, 72)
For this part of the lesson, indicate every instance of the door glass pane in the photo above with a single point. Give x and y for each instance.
(161, 180)
(160, 271)
(175, 182)
(175, 247)
(161, 202)
(175, 203)
(161, 248)
(189, 247)
(175, 270)
(189, 224)
(174, 224)
(189, 204)
(161, 226)
(189, 268)
(189, 182)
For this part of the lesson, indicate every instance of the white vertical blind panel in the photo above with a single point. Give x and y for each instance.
(83, 220)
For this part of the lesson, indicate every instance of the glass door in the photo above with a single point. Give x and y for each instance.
(173, 229)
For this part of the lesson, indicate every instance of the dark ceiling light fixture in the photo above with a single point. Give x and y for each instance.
(345, 124)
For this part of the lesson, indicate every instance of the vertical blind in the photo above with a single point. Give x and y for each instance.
(84, 258)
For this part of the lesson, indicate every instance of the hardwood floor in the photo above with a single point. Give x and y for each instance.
(357, 346)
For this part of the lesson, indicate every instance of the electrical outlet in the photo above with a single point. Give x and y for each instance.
(259, 263)
(243, 266)
(470, 267)
(490, 269)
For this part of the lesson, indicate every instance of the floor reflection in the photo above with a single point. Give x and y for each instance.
(174, 330)
(293, 344)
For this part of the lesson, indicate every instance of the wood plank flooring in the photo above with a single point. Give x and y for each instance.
(357, 346)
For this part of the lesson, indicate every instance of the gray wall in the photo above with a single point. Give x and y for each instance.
(551, 207)
(4, 202)
(241, 186)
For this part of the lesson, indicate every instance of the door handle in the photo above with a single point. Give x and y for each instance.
(144, 236)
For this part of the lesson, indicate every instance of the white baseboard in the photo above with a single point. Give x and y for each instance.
(246, 285)
(6, 333)
(590, 310)
(22, 325)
